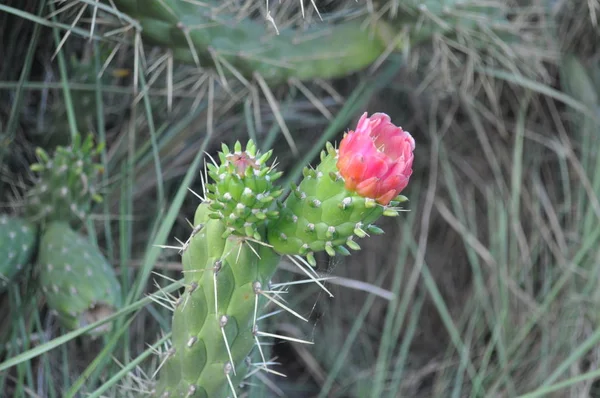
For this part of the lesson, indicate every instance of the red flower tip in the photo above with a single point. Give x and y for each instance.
(376, 158)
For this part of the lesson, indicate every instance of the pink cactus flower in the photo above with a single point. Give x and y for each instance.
(376, 159)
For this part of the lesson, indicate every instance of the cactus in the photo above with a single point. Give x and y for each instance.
(17, 244)
(214, 330)
(228, 270)
(65, 186)
(78, 282)
(198, 33)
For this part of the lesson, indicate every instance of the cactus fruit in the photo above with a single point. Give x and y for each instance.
(78, 282)
(228, 264)
(205, 33)
(65, 185)
(17, 244)
(243, 190)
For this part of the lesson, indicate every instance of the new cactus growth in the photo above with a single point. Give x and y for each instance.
(243, 190)
(78, 282)
(65, 185)
(17, 244)
(228, 261)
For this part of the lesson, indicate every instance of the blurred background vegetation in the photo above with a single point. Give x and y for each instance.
(487, 287)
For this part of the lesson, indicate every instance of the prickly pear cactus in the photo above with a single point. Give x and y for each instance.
(17, 244)
(207, 33)
(228, 264)
(78, 282)
(243, 190)
(65, 185)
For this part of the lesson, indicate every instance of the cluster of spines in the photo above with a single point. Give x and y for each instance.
(242, 193)
(321, 215)
(65, 186)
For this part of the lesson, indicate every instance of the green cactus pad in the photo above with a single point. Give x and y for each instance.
(200, 361)
(65, 185)
(243, 190)
(206, 33)
(78, 282)
(321, 214)
(17, 244)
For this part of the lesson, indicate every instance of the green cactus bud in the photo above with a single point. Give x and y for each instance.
(78, 282)
(243, 190)
(65, 185)
(17, 244)
(214, 322)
